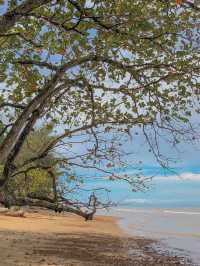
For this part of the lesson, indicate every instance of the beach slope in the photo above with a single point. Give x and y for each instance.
(43, 238)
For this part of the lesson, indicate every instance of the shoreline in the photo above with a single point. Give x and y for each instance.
(175, 230)
(43, 238)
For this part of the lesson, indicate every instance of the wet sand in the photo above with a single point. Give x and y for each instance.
(44, 238)
(176, 230)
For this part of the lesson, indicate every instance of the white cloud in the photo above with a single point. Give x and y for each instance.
(183, 176)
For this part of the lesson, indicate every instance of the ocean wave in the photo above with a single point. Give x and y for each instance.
(140, 200)
(130, 210)
(157, 210)
(181, 212)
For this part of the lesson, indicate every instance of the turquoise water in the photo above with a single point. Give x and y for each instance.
(175, 188)
(168, 211)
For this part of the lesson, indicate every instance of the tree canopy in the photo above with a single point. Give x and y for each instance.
(97, 68)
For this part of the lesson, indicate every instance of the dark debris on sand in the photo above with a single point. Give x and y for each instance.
(82, 250)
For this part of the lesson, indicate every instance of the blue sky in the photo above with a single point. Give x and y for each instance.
(185, 154)
(188, 154)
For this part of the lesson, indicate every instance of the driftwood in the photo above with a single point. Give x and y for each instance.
(12, 212)
(51, 205)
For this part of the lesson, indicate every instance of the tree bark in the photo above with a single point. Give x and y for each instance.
(38, 102)
(9, 167)
(49, 205)
(9, 19)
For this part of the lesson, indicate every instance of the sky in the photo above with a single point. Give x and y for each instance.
(188, 154)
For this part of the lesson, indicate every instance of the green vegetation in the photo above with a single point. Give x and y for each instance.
(34, 178)
(94, 70)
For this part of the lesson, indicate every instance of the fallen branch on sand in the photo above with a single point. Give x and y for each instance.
(12, 212)
(57, 206)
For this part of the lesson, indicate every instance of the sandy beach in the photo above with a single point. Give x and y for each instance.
(44, 238)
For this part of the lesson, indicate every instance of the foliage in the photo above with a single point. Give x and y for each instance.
(33, 178)
(94, 70)
(37, 183)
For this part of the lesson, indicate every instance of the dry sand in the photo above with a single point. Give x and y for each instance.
(44, 238)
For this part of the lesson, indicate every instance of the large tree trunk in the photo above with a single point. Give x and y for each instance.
(35, 105)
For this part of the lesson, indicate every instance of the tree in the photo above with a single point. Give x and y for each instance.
(97, 68)
(37, 183)
(33, 178)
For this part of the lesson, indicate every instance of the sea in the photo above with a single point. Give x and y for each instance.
(168, 210)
